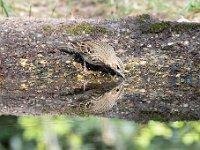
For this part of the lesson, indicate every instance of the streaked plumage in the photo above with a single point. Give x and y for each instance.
(106, 101)
(98, 53)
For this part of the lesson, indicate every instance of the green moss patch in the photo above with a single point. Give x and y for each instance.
(158, 27)
(154, 27)
(46, 27)
(148, 27)
(185, 26)
(84, 28)
(76, 29)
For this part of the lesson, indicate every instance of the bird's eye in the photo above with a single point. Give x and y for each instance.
(118, 67)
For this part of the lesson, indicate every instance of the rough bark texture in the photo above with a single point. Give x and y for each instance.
(161, 59)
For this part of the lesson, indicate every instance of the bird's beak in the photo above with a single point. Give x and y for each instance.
(121, 74)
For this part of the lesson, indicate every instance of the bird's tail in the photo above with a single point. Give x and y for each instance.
(72, 47)
(67, 48)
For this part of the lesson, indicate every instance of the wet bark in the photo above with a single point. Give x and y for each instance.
(162, 69)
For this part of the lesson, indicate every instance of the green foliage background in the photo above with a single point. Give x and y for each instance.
(62, 132)
(165, 9)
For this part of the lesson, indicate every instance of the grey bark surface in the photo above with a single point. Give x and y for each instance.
(162, 62)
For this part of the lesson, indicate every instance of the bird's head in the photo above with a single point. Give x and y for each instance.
(118, 66)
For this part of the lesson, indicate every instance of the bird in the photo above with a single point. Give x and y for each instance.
(106, 101)
(97, 53)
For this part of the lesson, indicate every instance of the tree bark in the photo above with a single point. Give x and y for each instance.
(161, 58)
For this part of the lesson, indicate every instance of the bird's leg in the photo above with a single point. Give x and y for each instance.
(84, 66)
(84, 73)
(85, 85)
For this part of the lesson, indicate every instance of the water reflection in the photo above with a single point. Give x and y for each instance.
(95, 98)
(106, 101)
(140, 98)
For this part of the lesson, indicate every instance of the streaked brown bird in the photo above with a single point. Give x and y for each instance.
(106, 101)
(98, 53)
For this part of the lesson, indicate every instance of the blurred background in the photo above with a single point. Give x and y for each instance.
(89, 133)
(164, 9)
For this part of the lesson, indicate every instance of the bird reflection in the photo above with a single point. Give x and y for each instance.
(106, 101)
